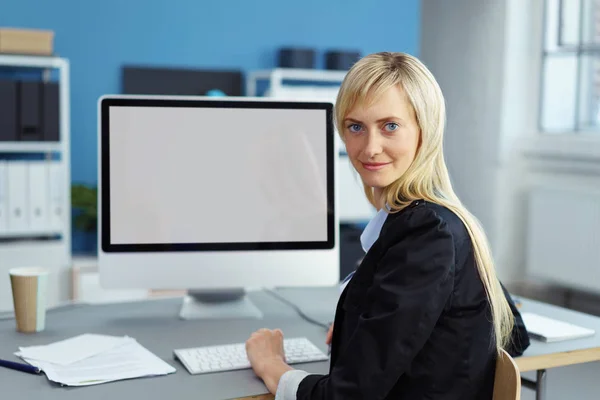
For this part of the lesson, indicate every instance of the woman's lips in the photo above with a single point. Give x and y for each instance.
(374, 166)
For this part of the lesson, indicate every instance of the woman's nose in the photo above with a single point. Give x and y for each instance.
(373, 146)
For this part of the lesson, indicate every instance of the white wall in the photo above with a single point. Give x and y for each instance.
(462, 42)
(487, 57)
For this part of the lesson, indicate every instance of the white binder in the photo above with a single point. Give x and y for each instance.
(3, 198)
(18, 221)
(38, 197)
(55, 196)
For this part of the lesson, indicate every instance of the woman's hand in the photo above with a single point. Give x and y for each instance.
(265, 352)
(329, 335)
(264, 347)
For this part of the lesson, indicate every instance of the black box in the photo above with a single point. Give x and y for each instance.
(8, 111)
(50, 111)
(30, 126)
(180, 81)
(341, 60)
(296, 58)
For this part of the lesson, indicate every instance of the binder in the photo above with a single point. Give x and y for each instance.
(3, 198)
(18, 221)
(56, 207)
(38, 197)
(30, 124)
(50, 112)
(8, 116)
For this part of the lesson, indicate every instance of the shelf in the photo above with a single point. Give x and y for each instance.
(277, 76)
(46, 247)
(30, 147)
(29, 234)
(323, 75)
(24, 61)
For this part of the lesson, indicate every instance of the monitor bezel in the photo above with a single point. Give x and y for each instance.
(172, 101)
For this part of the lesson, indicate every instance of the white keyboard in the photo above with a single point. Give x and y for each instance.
(204, 360)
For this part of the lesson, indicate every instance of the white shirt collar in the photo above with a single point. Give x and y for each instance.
(369, 236)
(372, 230)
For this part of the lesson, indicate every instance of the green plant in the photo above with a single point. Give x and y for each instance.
(84, 200)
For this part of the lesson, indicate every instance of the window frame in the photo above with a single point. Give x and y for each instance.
(561, 48)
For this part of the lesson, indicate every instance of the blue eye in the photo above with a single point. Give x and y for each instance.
(354, 128)
(391, 126)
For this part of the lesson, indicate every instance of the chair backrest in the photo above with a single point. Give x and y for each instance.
(507, 382)
(268, 396)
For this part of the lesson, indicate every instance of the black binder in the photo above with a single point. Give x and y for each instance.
(30, 127)
(50, 112)
(8, 113)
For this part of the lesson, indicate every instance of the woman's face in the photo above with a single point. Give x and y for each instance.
(382, 138)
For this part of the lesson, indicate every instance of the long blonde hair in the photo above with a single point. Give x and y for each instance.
(427, 177)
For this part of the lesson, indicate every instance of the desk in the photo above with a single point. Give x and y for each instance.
(541, 356)
(154, 323)
(156, 326)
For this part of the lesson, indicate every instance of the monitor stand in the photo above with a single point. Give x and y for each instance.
(218, 304)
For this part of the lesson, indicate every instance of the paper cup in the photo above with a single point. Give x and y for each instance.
(29, 287)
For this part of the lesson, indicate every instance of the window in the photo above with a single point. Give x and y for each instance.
(570, 96)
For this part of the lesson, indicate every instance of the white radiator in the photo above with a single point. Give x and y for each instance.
(563, 238)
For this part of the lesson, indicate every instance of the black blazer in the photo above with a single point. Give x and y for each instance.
(414, 321)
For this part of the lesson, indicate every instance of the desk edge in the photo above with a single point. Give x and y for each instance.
(534, 363)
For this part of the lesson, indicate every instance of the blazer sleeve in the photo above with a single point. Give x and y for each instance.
(519, 337)
(412, 284)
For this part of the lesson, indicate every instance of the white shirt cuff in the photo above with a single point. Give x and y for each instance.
(288, 384)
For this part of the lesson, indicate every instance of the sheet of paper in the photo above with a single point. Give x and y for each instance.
(71, 350)
(130, 360)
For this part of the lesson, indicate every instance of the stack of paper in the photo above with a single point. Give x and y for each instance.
(93, 359)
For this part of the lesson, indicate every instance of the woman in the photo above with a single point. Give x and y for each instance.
(424, 316)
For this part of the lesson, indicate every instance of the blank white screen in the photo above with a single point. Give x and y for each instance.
(214, 175)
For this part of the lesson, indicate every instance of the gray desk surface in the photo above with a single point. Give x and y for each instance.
(156, 326)
(548, 355)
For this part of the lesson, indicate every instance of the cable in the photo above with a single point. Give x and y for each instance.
(297, 309)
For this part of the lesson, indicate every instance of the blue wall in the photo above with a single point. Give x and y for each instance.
(98, 37)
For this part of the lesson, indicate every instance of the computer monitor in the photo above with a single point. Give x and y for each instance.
(216, 195)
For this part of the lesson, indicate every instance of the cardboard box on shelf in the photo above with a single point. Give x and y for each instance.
(26, 41)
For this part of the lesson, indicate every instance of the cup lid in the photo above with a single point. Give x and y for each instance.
(28, 271)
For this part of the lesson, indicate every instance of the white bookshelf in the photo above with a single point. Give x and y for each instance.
(277, 76)
(29, 234)
(30, 147)
(50, 248)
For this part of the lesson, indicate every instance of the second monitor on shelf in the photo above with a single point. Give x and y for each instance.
(215, 196)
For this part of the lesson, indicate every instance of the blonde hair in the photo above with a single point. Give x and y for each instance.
(427, 177)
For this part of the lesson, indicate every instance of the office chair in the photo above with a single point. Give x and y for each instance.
(268, 396)
(507, 382)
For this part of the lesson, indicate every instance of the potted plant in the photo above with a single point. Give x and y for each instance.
(84, 201)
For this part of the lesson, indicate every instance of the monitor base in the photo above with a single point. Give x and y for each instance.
(218, 304)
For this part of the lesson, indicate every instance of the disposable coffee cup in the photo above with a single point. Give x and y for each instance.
(29, 286)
